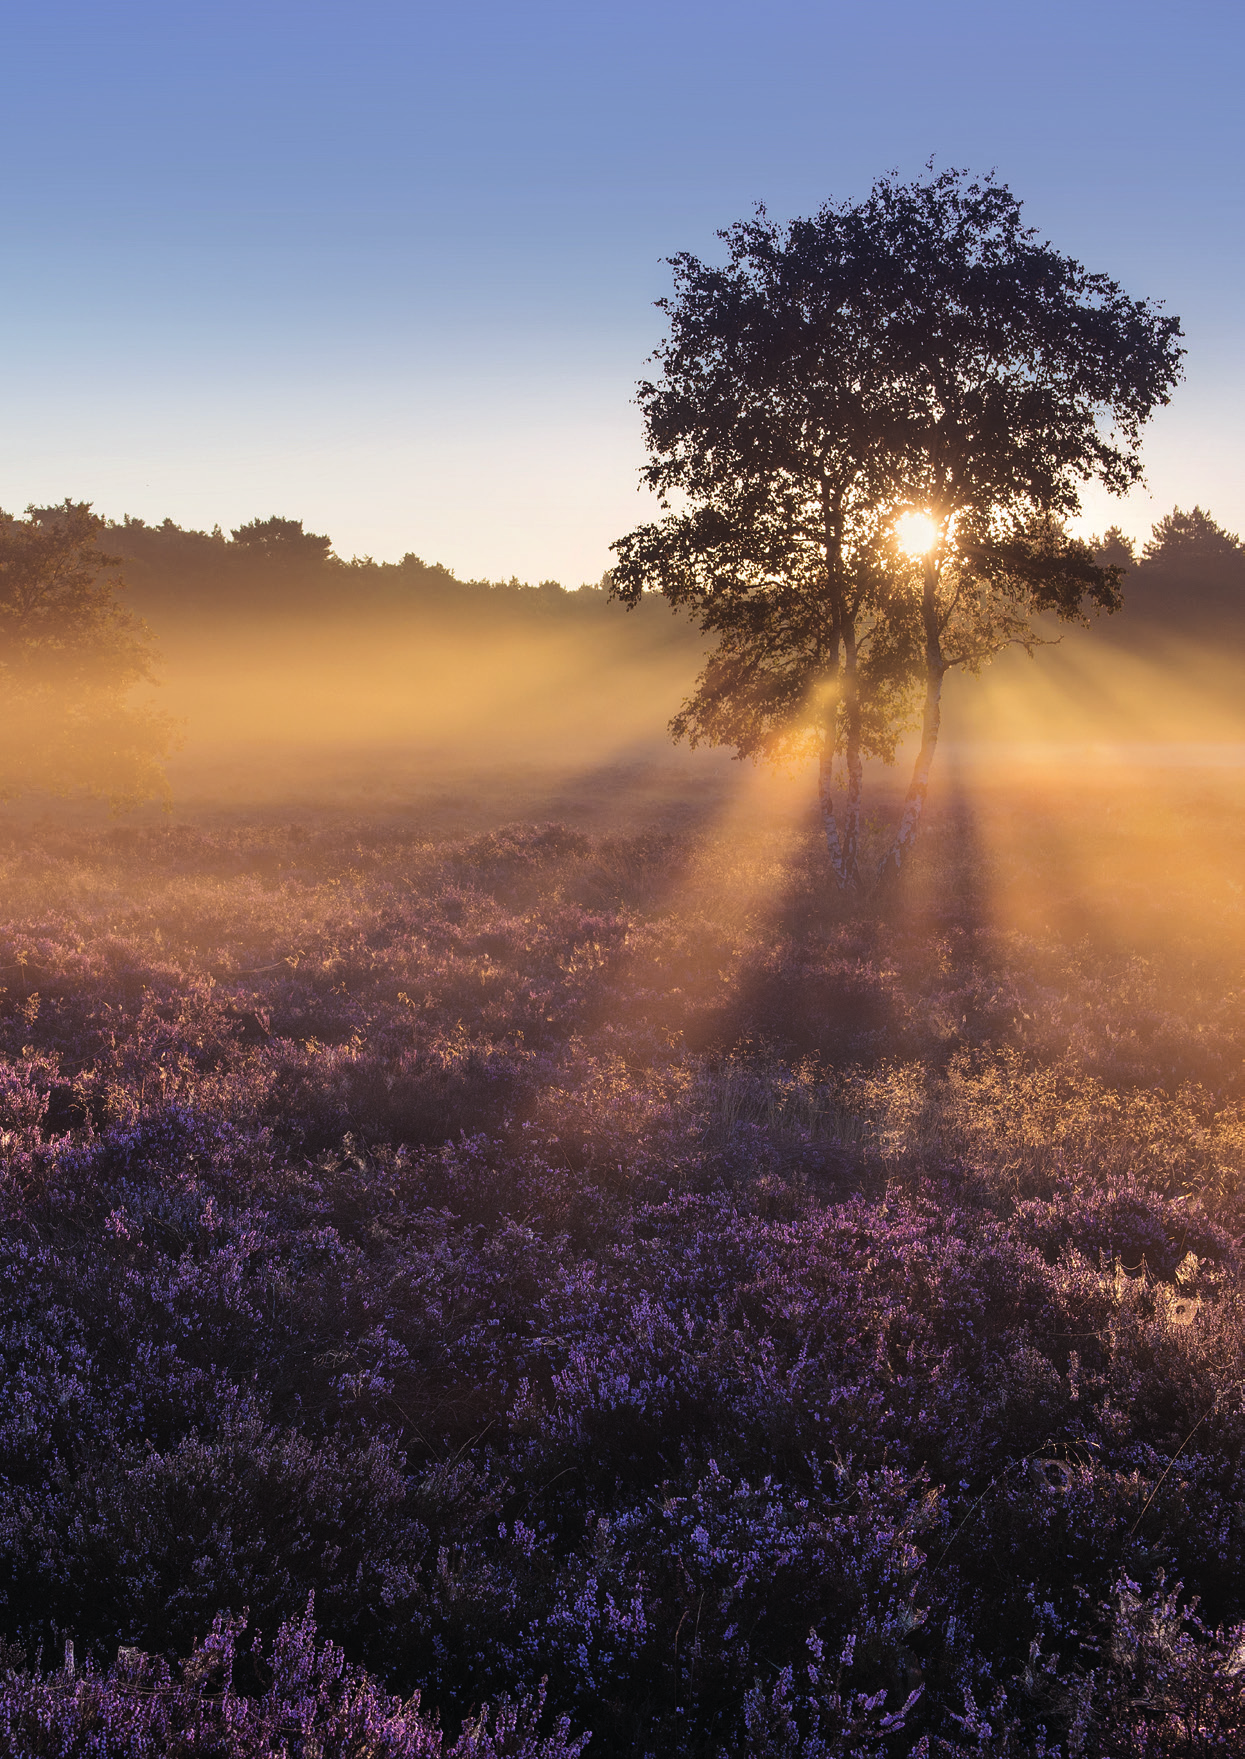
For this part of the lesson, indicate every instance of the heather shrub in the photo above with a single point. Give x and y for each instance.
(1118, 1219)
(144, 1547)
(781, 1328)
(310, 1703)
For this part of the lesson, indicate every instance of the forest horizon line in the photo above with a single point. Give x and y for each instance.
(1190, 569)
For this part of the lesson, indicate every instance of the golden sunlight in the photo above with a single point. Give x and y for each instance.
(916, 533)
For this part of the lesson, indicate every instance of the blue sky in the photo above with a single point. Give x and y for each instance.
(390, 268)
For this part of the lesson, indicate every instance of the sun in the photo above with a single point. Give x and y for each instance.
(916, 533)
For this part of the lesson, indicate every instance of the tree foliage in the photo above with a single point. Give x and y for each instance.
(919, 350)
(283, 540)
(70, 655)
(1193, 538)
(1187, 582)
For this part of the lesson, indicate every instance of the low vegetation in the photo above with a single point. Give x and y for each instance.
(612, 1279)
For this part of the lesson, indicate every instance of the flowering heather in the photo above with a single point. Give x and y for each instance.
(611, 1283)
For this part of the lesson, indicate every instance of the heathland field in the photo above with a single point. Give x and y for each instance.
(552, 1236)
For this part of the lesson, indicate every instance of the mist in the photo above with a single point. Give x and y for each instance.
(540, 690)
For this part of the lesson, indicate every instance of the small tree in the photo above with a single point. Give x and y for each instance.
(874, 422)
(69, 657)
(1114, 549)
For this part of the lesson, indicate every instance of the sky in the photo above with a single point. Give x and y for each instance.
(390, 268)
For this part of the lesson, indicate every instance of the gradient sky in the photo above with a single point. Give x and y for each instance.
(389, 268)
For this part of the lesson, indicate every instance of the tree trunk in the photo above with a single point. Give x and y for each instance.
(825, 800)
(850, 880)
(931, 720)
(844, 846)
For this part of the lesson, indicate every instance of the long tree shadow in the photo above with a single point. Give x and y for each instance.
(823, 975)
(827, 989)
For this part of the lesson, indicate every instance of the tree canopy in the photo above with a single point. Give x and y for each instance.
(1188, 581)
(920, 352)
(70, 655)
(283, 540)
(1191, 539)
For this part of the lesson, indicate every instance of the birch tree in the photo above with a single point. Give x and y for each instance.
(867, 430)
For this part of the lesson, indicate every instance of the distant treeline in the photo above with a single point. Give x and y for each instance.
(1188, 578)
(274, 565)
